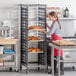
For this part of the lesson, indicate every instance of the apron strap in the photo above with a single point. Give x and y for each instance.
(58, 22)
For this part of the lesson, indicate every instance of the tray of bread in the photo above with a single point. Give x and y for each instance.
(36, 28)
(64, 42)
(33, 49)
(34, 38)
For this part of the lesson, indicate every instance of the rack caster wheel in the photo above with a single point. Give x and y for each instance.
(38, 68)
(73, 68)
(10, 69)
(26, 71)
(20, 67)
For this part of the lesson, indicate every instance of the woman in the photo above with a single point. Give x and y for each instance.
(55, 33)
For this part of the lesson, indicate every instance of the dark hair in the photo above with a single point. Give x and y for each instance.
(53, 13)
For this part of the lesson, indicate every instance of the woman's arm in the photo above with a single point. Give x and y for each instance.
(53, 29)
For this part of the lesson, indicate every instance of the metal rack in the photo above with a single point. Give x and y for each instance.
(24, 34)
(33, 15)
(14, 62)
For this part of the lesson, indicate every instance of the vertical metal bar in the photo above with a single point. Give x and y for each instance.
(13, 48)
(42, 57)
(52, 60)
(17, 57)
(20, 33)
(5, 33)
(24, 34)
(58, 62)
(2, 33)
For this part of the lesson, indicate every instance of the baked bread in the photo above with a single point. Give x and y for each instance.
(64, 42)
(32, 49)
(35, 27)
(34, 38)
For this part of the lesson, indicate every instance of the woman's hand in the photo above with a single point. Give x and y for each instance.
(45, 32)
(42, 30)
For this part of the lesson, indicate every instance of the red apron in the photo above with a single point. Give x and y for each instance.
(55, 37)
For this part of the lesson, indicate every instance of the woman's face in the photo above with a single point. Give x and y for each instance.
(51, 17)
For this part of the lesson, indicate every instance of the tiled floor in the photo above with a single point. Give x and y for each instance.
(68, 72)
(34, 74)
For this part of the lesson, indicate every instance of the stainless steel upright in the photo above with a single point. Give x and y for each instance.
(58, 60)
(18, 55)
(15, 63)
(52, 61)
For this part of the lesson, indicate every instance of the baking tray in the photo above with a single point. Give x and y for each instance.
(69, 44)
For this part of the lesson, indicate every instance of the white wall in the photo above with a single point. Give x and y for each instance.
(4, 3)
(71, 4)
(73, 11)
(60, 3)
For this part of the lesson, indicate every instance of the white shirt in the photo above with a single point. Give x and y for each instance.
(55, 29)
